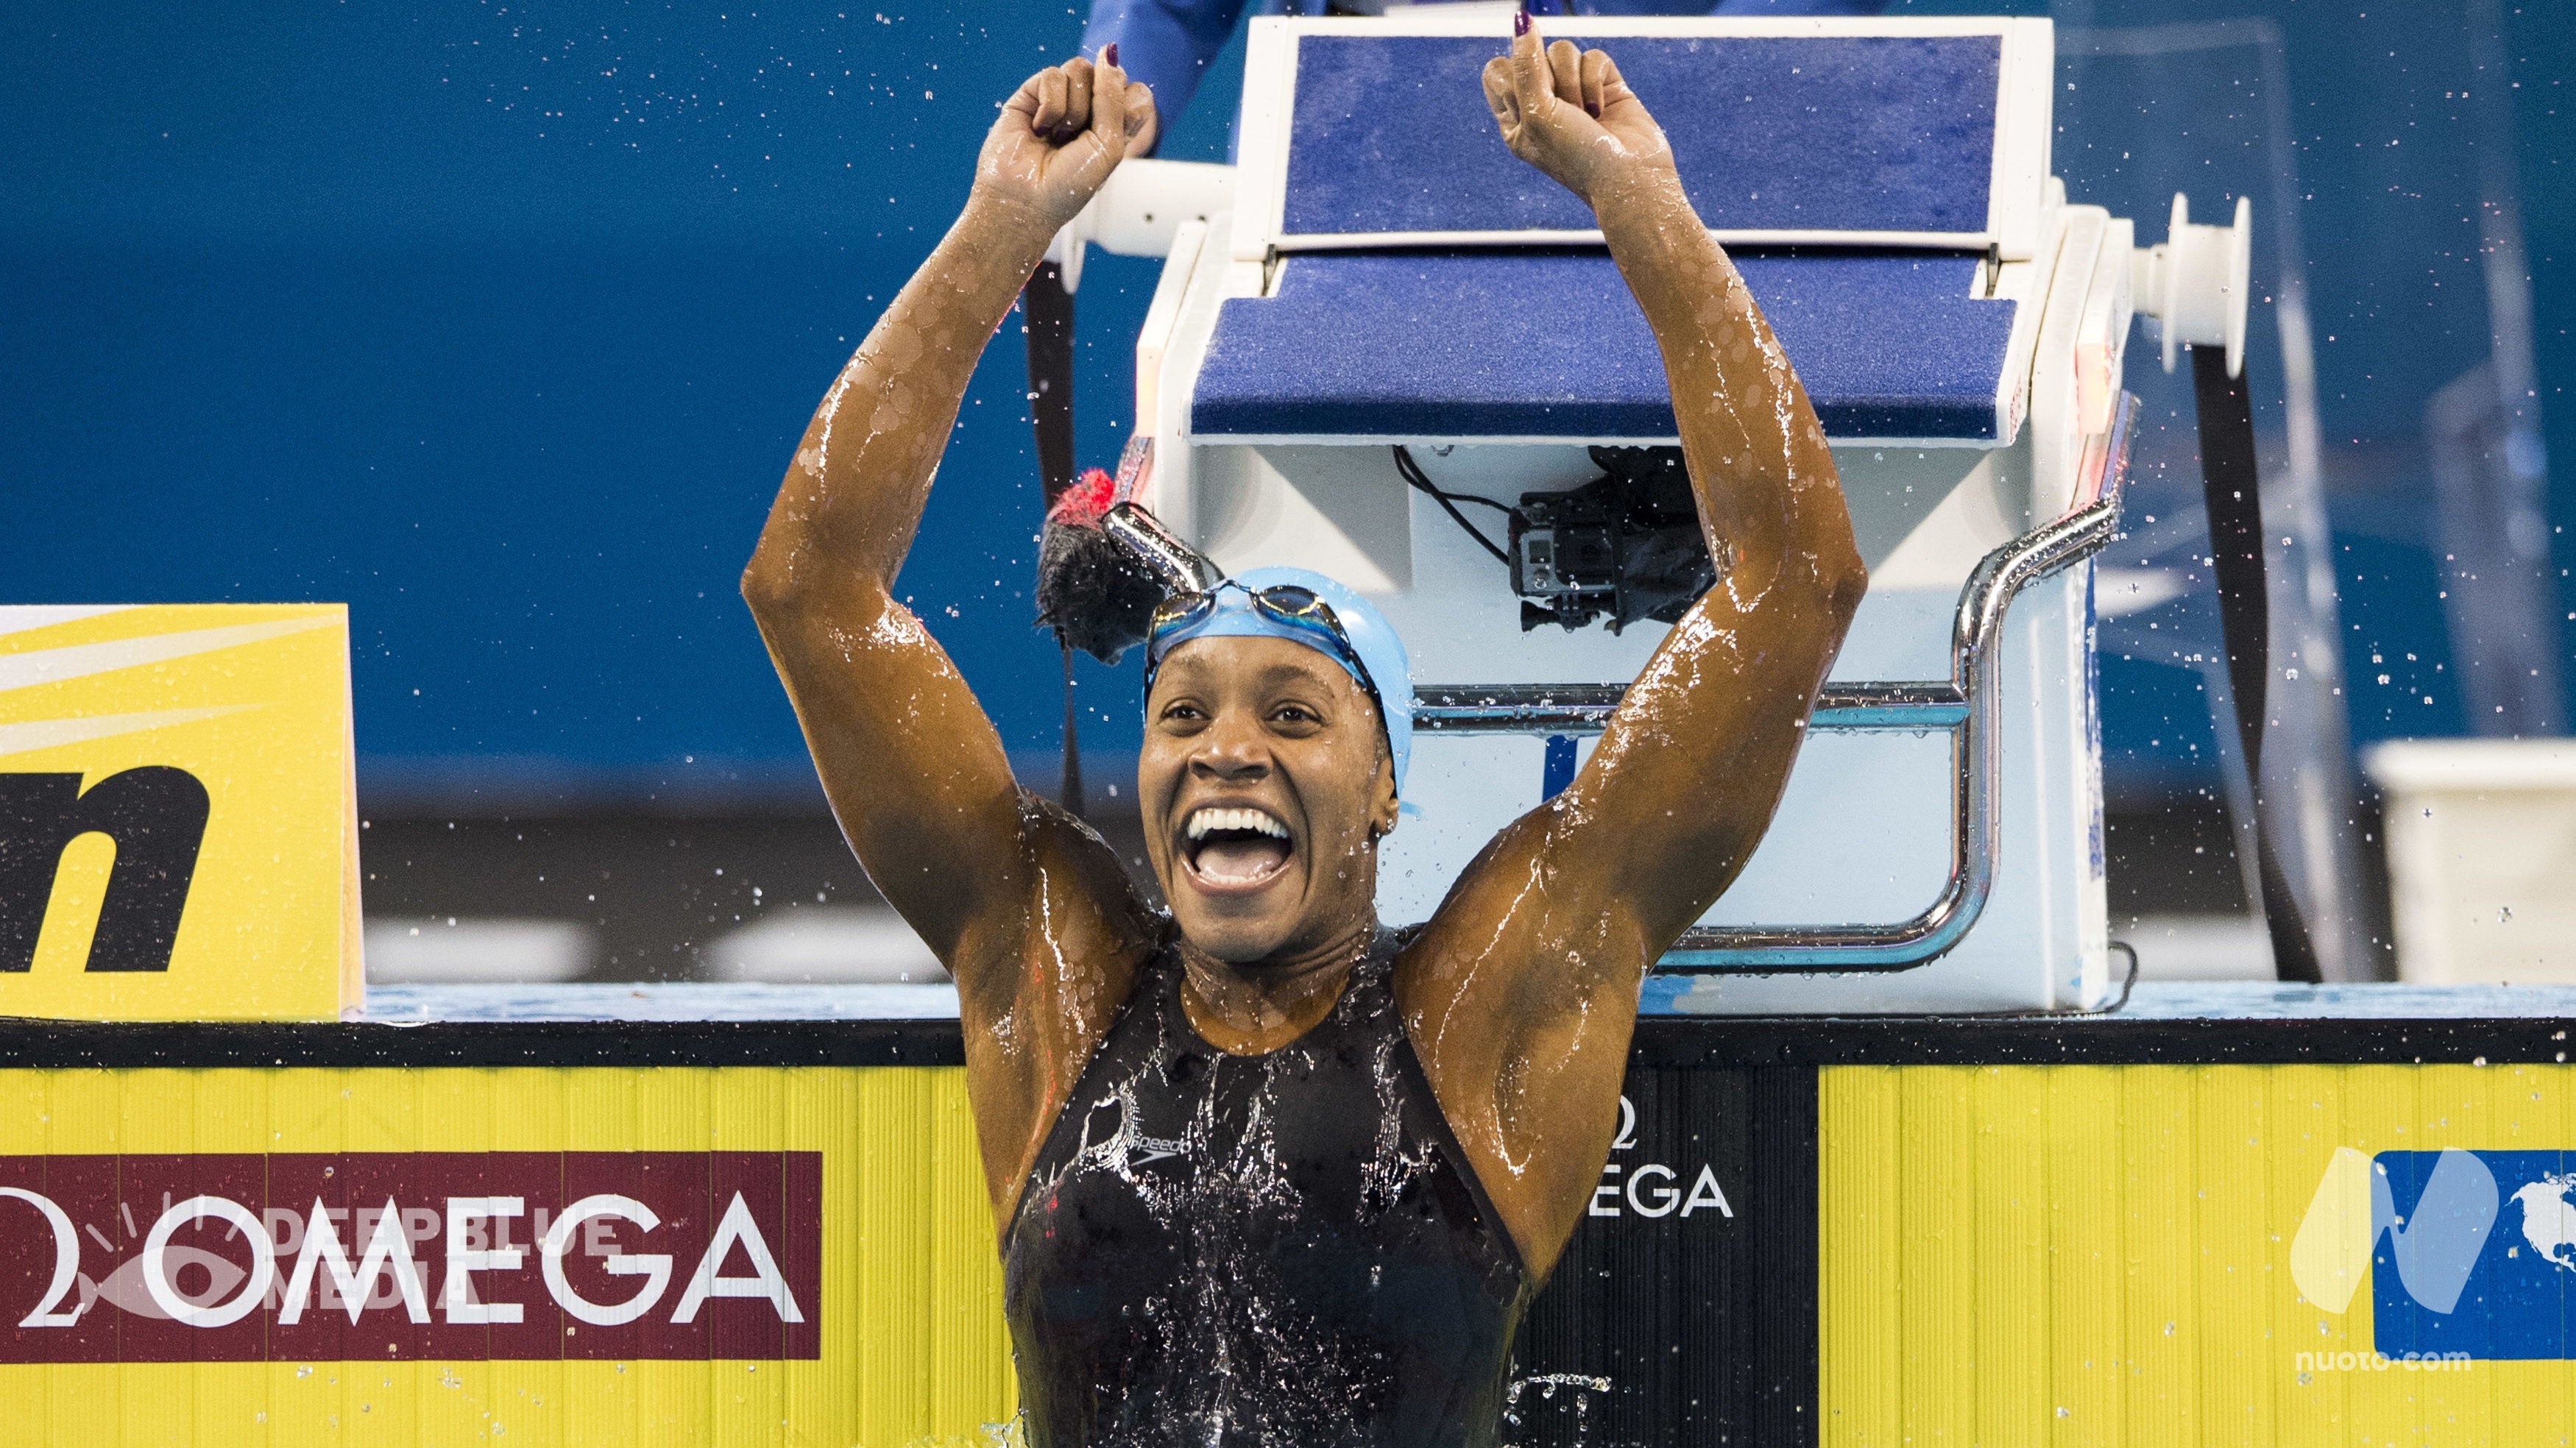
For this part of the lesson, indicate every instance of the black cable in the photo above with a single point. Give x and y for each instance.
(1048, 309)
(1069, 793)
(1413, 475)
(2126, 986)
(1422, 480)
(2231, 487)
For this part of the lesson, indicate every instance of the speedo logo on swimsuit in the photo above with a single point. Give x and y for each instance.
(2470, 1254)
(386, 1256)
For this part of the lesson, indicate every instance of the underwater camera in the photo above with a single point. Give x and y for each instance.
(1625, 546)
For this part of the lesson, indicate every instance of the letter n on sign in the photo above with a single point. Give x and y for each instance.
(178, 826)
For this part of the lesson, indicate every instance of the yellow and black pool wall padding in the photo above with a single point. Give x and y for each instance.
(1816, 1231)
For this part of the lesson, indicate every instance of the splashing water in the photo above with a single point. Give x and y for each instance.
(1584, 1386)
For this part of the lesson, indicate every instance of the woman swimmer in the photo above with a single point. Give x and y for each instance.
(1264, 1172)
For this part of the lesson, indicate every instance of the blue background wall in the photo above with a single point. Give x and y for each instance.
(499, 321)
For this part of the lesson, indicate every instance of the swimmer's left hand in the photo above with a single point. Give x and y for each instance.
(1567, 111)
(1060, 135)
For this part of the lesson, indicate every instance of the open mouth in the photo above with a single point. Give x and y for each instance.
(1235, 849)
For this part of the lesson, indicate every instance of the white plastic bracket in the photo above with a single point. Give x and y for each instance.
(1139, 209)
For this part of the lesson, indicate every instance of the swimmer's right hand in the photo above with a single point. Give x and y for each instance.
(1059, 136)
(1568, 112)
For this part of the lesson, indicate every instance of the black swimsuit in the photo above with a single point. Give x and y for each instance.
(1285, 1250)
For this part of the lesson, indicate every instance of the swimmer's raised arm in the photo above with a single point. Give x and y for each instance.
(1004, 887)
(1684, 782)
(1522, 993)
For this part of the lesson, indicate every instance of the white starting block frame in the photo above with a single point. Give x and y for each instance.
(1960, 735)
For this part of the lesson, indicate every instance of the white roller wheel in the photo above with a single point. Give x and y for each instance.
(2198, 283)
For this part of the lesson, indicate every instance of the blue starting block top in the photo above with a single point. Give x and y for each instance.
(1547, 342)
(1882, 135)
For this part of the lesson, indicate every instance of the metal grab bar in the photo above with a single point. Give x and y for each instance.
(1969, 705)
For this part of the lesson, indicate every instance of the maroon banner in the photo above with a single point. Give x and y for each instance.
(409, 1255)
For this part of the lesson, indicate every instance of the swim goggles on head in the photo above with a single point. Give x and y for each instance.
(1286, 605)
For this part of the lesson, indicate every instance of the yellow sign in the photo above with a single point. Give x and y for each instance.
(2298, 1255)
(178, 816)
(527, 1255)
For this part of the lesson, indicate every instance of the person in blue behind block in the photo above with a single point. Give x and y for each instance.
(1266, 1173)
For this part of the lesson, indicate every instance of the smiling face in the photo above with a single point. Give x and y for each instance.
(1265, 784)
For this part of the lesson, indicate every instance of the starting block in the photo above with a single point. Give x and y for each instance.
(1379, 288)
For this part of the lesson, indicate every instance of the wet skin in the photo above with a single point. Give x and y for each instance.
(1264, 780)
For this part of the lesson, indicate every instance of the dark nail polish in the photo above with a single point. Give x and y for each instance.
(1520, 21)
(1592, 110)
(1109, 53)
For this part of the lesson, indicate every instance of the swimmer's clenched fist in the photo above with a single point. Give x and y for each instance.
(1060, 135)
(1566, 111)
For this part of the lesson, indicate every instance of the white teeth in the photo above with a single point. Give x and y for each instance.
(1205, 820)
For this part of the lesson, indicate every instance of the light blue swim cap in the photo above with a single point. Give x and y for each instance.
(1389, 674)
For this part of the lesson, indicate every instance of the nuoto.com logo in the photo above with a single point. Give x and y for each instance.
(2469, 1254)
